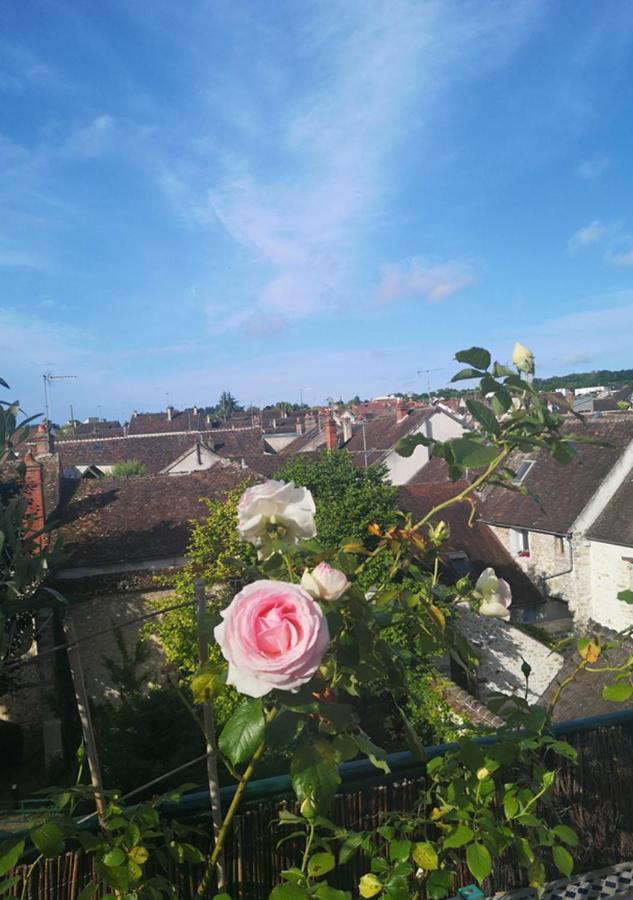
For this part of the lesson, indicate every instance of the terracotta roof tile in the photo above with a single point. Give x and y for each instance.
(562, 491)
(105, 521)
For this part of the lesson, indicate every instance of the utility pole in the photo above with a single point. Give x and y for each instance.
(427, 372)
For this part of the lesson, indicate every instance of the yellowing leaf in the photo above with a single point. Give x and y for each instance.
(425, 855)
(369, 886)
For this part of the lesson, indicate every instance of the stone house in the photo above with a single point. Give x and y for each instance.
(570, 528)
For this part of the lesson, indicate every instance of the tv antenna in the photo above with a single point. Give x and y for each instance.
(427, 372)
(48, 379)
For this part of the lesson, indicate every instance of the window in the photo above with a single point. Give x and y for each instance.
(522, 471)
(520, 538)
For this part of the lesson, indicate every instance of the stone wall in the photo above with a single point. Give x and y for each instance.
(611, 572)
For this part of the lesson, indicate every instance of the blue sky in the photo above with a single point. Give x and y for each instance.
(327, 196)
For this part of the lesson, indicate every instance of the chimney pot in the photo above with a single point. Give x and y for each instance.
(401, 412)
(330, 434)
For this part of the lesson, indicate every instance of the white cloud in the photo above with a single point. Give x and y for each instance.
(414, 279)
(303, 219)
(622, 259)
(592, 168)
(93, 140)
(18, 259)
(592, 233)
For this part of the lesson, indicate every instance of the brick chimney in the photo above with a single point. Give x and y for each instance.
(330, 433)
(43, 440)
(34, 495)
(401, 412)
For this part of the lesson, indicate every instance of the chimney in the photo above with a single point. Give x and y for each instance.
(299, 426)
(330, 434)
(570, 397)
(43, 440)
(347, 429)
(401, 412)
(170, 410)
(34, 495)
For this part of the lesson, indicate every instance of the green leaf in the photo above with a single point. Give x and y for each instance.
(205, 683)
(325, 892)
(114, 857)
(464, 374)
(320, 863)
(48, 839)
(313, 777)
(479, 861)
(618, 692)
(375, 754)
(563, 860)
(510, 805)
(9, 883)
(438, 885)
(484, 415)
(244, 732)
(472, 454)
(408, 444)
(525, 852)
(399, 850)
(89, 891)
(475, 356)
(625, 596)
(10, 852)
(458, 837)
(499, 371)
(567, 834)
(284, 729)
(349, 847)
(425, 856)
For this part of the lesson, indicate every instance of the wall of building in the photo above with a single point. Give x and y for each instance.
(611, 572)
(440, 427)
(279, 442)
(194, 461)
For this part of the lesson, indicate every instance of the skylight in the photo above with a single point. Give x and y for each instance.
(522, 471)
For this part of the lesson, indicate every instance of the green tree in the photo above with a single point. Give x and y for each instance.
(348, 499)
(227, 406)
(129, 468)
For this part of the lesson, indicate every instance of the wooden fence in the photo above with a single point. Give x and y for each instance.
(595, 797)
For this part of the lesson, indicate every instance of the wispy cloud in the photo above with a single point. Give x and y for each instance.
(592, 168)
(415, 279)
(92, 140)
(590, 234)
(19, 259)
(621, 259)
(302, 222)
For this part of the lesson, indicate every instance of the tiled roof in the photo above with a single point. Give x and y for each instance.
(582, 697)
(562, 491)
(155, 423)
(478, 541)
(157, 451)
(90, 429)
(105, 521)
(435, 471)
(383, 432)
(615, 525)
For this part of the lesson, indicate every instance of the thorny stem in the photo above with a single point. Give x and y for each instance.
(561, 687)
(306, 852)
(203, 886)
(27, 877)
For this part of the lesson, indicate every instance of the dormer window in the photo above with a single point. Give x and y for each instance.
(522, 471)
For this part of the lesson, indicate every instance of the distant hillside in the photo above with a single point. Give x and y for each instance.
(605, 377)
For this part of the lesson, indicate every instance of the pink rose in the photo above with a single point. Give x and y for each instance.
(324, 582)
(273, 635)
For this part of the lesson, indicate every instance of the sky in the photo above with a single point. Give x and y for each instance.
(308, 198)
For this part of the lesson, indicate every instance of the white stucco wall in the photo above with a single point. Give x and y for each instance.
(194, 462)
(611, 572)
(439, 426)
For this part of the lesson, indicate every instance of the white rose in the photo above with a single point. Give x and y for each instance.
(276, 503)
(324, 582)
(496, 593)
(523, 358)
